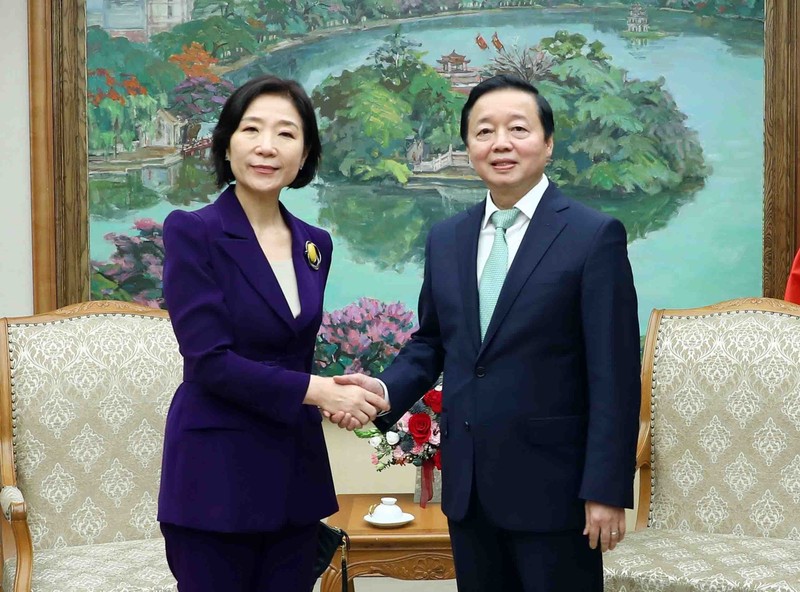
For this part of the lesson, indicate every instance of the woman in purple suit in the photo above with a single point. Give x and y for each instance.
(245, 473)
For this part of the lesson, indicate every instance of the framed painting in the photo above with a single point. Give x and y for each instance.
(711, 209)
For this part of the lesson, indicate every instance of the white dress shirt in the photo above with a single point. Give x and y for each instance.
(284, 273)
(527, 206)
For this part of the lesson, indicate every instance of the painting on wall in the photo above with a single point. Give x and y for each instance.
(659, 121)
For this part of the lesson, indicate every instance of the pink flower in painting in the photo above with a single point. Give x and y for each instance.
(353, 339)
(145, 224)
(134, 271)
(362, 337)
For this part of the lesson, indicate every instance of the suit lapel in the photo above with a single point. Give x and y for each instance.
(241, 244)
(543, 229)
(467, 233)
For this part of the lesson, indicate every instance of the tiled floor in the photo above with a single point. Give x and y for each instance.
(391, 585)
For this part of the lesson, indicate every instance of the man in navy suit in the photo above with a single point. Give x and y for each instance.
(541, 389)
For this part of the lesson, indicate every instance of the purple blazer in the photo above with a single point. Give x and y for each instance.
(242, 453)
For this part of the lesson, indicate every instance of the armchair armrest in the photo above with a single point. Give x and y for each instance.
(10, 495)
(12, 503)
(643, 465)
(643, 445)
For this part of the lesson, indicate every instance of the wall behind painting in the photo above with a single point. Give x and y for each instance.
(16, 284)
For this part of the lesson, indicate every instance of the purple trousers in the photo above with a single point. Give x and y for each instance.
(205, 561)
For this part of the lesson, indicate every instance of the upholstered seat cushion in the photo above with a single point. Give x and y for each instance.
(127, 566)
(660, 560)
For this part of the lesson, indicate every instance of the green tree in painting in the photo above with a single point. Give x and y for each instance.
(749, 8)
(126, 85)
(369, 115)
(615, 134)
(724, 8)
(275, 15)
(225, 38)
(120, 56)
(311, 13)
(367, 134)
(225, 8)
(370, 9)
(117, 110)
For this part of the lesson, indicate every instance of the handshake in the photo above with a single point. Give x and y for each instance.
(350, 401)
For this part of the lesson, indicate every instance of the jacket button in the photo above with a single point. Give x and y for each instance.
(466, 425)
(480, 371)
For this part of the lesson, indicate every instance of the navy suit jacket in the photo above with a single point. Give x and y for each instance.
(242, 453)
(543, 414)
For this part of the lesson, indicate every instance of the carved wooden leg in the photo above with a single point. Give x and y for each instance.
(332, 581)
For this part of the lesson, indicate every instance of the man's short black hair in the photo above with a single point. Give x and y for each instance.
(500, 82)
(234, 109)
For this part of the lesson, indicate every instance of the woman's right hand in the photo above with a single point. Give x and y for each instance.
(350, 400)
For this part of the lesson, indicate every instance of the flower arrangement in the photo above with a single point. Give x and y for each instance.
(414, 439)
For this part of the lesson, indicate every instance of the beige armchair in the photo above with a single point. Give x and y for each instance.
(719, 451)
(84, 393)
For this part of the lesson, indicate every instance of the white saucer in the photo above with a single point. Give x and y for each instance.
(404, 519)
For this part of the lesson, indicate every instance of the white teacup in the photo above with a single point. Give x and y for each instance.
(386, 511)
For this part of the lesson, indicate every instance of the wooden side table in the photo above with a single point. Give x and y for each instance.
(419, 550)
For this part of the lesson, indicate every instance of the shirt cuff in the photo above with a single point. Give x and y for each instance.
(385, 396)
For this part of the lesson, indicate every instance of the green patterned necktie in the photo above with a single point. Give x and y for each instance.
(494, 273)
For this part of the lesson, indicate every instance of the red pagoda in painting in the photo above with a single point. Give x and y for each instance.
(455, 67)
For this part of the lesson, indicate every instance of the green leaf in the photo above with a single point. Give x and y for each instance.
(610, 111)
(369, 433)
(586, 73)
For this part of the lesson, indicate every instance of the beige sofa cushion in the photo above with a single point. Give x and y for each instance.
(128, 566)
(659, 560)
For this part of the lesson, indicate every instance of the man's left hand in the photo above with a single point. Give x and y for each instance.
(604, 525)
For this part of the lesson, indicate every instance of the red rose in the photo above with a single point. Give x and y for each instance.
(437, 459)
(419, 426)
(433, 399)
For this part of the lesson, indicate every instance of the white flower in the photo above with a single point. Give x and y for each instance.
(392, 438)
(375, 441)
